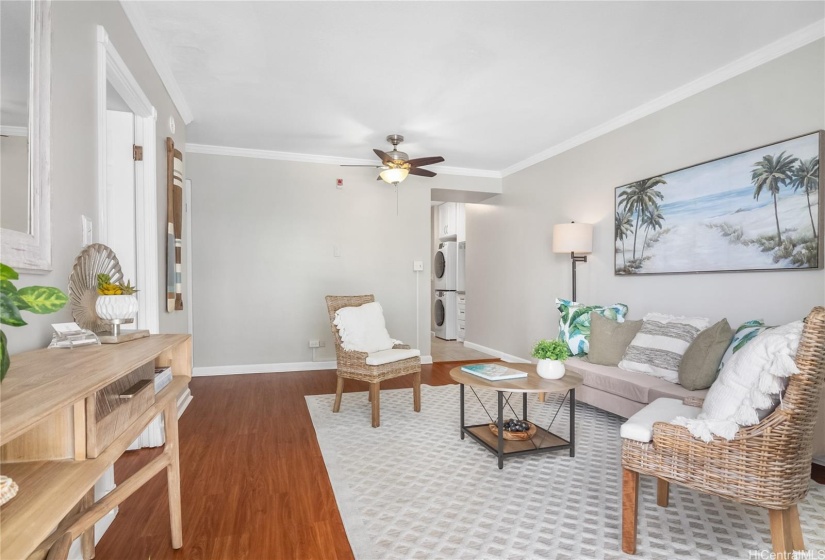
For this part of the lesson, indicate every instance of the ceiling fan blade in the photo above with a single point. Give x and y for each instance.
(422, 172)
(418, 162)
(385, 158)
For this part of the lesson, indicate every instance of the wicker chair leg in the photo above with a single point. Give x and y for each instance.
(339, 390)
(781, 537)
(797, 540)
(662, 492)
(417, 391)
(375, 393)
(630, 503)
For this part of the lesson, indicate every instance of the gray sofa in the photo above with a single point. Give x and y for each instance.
(624, 393)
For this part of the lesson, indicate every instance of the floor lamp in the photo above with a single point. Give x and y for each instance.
(573, 238)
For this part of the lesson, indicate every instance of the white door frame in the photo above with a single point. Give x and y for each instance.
(112, 69)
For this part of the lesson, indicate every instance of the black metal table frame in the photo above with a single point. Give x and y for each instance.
(499, 451)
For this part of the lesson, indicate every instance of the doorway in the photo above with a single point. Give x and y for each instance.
(127, 194)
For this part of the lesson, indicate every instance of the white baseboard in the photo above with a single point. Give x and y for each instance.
(497, 353)
(261, 368)
(265, 368)
(820, 460)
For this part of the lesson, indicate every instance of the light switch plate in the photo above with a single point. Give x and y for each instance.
(88, 230)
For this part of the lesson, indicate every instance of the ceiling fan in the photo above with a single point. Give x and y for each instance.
(396, 165)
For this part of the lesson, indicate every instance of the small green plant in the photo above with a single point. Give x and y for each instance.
(551, 350)
(34, 299)
(106, 287)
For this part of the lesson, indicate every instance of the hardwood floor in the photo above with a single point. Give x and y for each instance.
(253, 481)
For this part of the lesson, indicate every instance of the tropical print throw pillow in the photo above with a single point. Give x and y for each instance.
(745, 333)
(574, 323)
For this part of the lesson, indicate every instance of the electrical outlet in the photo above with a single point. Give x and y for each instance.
(314, 344)
(418, 266)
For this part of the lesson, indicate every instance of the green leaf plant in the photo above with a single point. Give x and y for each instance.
(551, 350)
(39, 300)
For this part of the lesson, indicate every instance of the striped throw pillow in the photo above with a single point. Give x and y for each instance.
(660, 344)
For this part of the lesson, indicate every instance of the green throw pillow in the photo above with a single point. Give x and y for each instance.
(609, 339)
(744, 334)
(700, 362)
(574, 323)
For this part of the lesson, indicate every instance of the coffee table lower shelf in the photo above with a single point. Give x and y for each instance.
(542, 440)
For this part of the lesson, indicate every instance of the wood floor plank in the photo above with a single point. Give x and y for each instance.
(253, 481)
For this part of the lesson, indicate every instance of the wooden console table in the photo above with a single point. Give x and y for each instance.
(65, 417)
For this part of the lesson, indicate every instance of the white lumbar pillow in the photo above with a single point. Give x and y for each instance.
(747, 387)
(658, 347)
(363, 328)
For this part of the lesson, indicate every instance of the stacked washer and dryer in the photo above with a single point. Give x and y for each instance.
(448, 303)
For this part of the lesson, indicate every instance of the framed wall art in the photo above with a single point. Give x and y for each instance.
(755, 210)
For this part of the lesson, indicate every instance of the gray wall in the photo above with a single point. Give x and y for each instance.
(264, 233)
(512, 275)
(74, 151)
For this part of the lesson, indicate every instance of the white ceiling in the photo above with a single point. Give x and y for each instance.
(487, 85)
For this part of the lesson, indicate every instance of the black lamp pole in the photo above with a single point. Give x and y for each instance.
(575, 259)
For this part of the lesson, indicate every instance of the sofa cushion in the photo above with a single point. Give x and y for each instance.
(669, 390)
(700, 364)
(609, 339)
(628, 384)
(639, 427)
(658, 347)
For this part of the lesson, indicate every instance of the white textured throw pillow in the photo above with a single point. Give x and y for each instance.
(747, 387)
(658, 347)
(363, 328)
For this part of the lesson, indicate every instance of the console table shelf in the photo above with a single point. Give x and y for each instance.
(47, 384)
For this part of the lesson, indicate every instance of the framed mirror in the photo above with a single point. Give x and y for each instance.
(25, 79)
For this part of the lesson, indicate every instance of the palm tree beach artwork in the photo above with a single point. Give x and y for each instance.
(756, 210)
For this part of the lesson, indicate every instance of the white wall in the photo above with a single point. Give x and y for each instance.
(264, 234)
(512, 275)
(74, 149)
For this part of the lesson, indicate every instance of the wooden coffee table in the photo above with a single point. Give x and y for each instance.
(543, 440)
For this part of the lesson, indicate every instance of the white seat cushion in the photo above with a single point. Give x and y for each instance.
(392, 355)
(639, 427)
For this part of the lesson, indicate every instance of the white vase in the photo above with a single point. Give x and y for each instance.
(550, 369)
(112, 308)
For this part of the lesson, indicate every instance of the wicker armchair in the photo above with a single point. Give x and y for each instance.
(353, 365)
(766, 465)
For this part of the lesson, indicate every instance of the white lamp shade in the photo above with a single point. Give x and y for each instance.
(573, 238)
(394, 175)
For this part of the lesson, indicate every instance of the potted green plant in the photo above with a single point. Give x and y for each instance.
(115, 301)
(34, 299)
(551, 355)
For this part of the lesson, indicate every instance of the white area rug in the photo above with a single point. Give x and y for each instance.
(413, 489)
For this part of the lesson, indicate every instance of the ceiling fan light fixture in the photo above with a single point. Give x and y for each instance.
(394, 175)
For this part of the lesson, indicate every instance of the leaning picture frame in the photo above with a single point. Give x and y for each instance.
(756, 210)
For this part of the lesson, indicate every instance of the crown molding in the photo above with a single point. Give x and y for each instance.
(774, 50)
(157, 57)
(313, 158)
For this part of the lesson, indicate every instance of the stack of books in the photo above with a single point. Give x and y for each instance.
(493, 372)
(163, 377)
